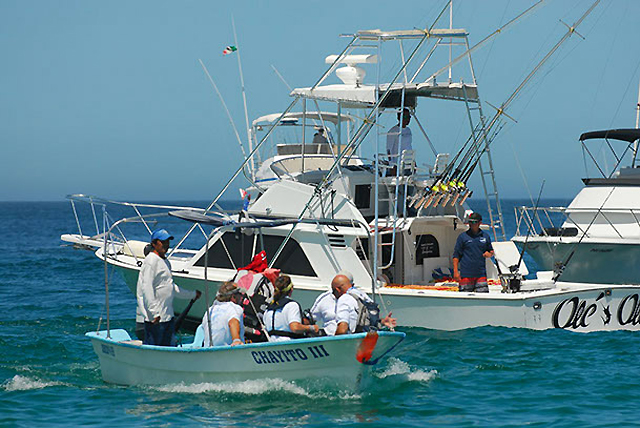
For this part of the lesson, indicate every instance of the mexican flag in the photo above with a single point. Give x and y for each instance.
(229, 49)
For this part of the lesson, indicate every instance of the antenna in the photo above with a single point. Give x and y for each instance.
(281, 77)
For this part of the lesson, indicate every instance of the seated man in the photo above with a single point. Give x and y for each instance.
(222, 324)
(340, 309)
(319, 137)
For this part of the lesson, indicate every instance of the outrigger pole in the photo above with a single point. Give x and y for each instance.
(226, 109)
(471, 158)
(244, 95)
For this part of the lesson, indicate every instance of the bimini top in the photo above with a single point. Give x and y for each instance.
(629, 135)
(295, 117)
(364, 96)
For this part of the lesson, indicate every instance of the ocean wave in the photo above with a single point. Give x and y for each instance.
(25, 383)
(249, 387)
(400, 368)
(254, 387)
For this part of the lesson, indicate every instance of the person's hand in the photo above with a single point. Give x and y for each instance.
(488, 254)
(236, 342)
(314, 328)
(457, 277)
(198, 294)
(389, 322)
(156, 320)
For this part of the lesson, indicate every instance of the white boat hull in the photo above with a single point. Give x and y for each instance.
(450, 310)
(324, 360)
(600, 263)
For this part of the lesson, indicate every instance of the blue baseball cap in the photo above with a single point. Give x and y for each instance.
(161, 235)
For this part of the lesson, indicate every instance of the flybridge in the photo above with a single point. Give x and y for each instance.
(354, 93)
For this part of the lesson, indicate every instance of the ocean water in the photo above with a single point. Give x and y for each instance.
(50, 295)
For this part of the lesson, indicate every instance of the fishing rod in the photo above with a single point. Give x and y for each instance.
(560, 267)
(476, 155)
(516, 267)
(183, 315)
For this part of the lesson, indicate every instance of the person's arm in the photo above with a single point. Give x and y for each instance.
(389, 322)
(489, 250)
(457, 255)
(456, 271)
(182, 293)
(150, 302)
(234, 328)
(297, 327)
(292, 313)
(343, 328)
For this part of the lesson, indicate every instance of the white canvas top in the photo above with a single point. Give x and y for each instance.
(365, 95)
(311, 115)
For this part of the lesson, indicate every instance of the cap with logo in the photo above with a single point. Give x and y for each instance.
(160, 235)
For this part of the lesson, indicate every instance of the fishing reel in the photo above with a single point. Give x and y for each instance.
(512, 281)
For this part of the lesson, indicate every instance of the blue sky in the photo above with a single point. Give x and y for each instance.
(108, 98)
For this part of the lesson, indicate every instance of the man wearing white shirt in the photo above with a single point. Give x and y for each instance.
(398, 141)
(338, 309)
(156, 290)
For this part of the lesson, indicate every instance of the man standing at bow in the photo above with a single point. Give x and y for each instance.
(156, 290)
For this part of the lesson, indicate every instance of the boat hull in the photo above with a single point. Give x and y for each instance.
(600, 263)
(323, 360)
(570, 306)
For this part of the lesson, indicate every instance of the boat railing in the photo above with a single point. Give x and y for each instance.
(108, 232)
(552, 221)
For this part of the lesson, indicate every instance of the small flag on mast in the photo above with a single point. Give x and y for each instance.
(229, 49)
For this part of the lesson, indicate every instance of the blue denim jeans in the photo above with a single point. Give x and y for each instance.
(160, 334)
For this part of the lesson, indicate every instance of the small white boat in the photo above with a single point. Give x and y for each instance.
(336, 360)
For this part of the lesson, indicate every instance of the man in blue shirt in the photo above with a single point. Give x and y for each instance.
(469, 265)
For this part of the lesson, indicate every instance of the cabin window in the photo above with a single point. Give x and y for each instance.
(240, 247)
(426, 247)
(363, 196)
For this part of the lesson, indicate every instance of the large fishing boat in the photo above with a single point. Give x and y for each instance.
(599, 231)
(391, 220)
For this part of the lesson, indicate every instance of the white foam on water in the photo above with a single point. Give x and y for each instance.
(255, 387)
(24, 383)
(249, 387)
(400, 368)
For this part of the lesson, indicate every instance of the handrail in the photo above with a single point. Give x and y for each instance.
(537, 227)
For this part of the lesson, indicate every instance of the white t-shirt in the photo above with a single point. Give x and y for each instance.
(281, 318)
(331, 311)
(155, 289)
(347, 311)
(393, 138)
(221, 313)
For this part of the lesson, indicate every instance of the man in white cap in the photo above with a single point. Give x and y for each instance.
(156, 290)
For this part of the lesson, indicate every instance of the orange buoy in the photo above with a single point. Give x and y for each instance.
(368, 344)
